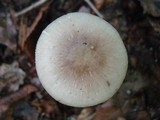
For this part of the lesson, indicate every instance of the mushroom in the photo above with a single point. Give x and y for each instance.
(81, 60)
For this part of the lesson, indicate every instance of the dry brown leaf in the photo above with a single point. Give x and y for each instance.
(49, 107)
(37, 106)
(26, 90)
(108, 113)
(27, 40)
(85, 114)
(98, 3)
(5, 102)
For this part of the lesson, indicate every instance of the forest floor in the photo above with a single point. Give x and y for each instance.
(22, 96)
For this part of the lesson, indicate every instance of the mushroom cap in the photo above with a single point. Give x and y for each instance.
(81, 60)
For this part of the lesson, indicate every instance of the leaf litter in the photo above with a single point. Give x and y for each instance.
(20, 90)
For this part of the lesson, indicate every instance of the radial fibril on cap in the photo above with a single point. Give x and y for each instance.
(81, 60)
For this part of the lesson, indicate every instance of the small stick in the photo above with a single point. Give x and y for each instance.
(94, 8)
(33, 6)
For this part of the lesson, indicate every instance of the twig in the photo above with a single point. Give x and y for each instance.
(33, 6)
(94, 8)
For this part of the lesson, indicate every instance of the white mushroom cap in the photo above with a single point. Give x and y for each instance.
(81, 60)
